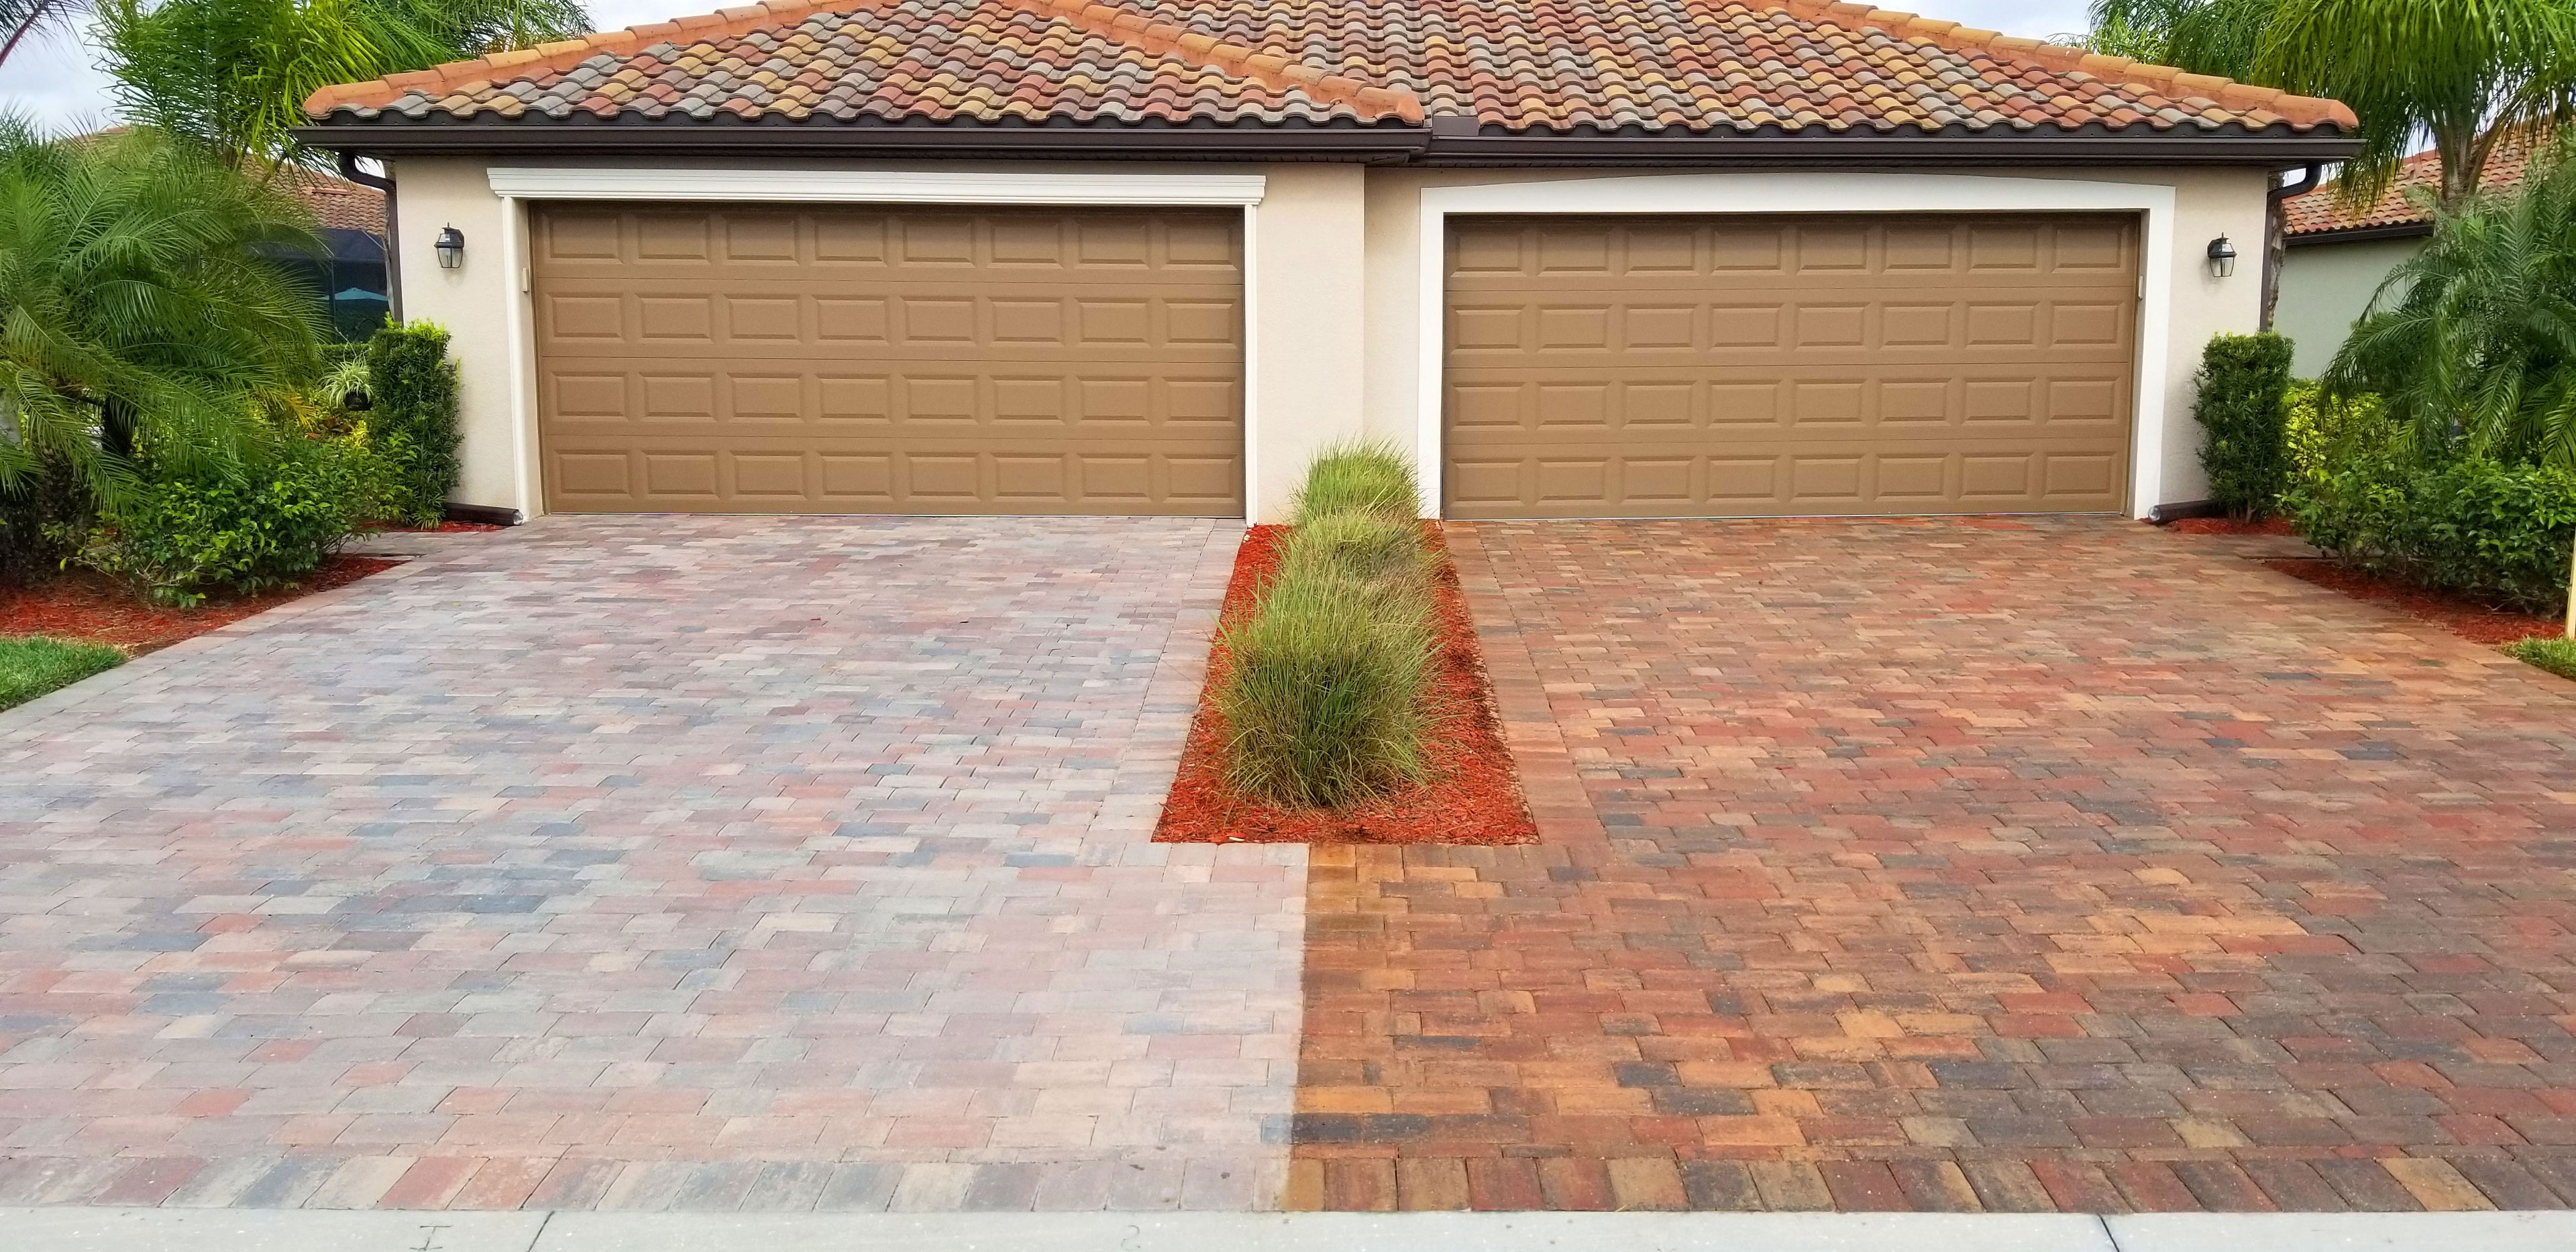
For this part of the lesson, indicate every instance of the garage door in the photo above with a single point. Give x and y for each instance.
(1762, 366)
(874, 360)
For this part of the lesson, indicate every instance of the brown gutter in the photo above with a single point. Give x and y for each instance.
(2362, 234)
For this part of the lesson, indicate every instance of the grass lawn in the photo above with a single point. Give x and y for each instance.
(2557, 655)
(31, 665)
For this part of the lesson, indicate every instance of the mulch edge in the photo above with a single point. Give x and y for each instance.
(1482, 779)
(2478, 623)
(181, 625)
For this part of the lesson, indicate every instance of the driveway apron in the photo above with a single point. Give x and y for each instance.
(654, 863)
(1980, 864)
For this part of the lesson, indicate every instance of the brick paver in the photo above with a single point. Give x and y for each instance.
(1968, 865)
(654, 863)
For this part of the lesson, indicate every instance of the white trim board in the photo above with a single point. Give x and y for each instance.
(875, 186)
(517, 184)
(1761, 192)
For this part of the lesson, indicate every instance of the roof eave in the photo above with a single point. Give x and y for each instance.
(2359, 234)
(1381, 142)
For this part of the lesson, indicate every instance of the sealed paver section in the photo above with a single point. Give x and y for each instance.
(1997, 865)
(654, 863)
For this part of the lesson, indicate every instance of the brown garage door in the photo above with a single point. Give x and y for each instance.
(875, 360)
(1764, 366)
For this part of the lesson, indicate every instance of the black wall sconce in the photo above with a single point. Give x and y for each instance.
(451, 248)
(2222, 258)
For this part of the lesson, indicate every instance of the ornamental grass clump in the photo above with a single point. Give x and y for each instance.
(1325, 679)
(1361, 476)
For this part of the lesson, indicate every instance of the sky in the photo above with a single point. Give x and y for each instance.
(57, 83)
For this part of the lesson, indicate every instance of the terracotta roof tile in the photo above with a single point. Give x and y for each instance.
(2409, 197)
(337, 202)
(1518, 65)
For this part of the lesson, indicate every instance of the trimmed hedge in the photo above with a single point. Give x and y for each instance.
(242, 532)
(2496, 532)
(411, 423)
(2244, 384)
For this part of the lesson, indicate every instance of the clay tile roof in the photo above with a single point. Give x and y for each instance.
(2409, 197)
(1689, 66)
(337, 202)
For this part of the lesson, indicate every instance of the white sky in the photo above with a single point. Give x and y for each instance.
(57, 83)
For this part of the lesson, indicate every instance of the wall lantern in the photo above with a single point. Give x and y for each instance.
(451, 248)
(2222, 258)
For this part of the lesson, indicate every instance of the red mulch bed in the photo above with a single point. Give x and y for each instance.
(2470, 620)
(93, 608)
(1474, 795)
(2230, 526)
(443, 528)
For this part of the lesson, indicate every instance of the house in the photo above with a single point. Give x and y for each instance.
(1655, 258)
(352, 272)
(2338, 255)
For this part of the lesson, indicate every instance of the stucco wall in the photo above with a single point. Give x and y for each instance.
(473, 302)
(1334, 304)
(2324, 289)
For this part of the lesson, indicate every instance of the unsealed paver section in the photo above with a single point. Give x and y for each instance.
(1981, 864)
(654, 863)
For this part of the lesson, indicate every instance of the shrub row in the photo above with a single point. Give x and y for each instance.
(2494, 531)
(376, 442)
(2244, 380)
(1325, 678)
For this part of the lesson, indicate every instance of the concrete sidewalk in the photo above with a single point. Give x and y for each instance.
(309, 1230)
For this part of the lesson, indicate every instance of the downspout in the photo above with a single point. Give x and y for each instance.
(393, 255)
(2276, 239)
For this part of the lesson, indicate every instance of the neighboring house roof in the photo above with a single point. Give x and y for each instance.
(339, 203)
(2405, 208)
(1509, 67)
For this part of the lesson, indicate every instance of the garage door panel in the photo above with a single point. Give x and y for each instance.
(1766, 365)
(778, 359)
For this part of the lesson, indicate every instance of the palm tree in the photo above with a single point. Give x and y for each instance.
(2471, 344)
(141, 312)
(2463, 73)
(235, 73)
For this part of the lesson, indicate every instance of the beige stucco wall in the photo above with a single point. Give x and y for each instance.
(1333, 303)
(2325, 287)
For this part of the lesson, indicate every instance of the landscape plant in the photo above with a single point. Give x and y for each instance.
(411, 386)
(2244, 385)
(2555, 654)
(1325, 680)
(236, 529)
(142, 315)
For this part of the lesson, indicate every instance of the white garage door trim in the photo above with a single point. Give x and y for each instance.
(1807, 193)
(517, 184)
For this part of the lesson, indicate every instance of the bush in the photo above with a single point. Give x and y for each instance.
(1325, 679)
(2495, 532)
(1360, 476)
(265, 526)
(31, 665)
(411, 421)
(2557, 655)
(2244, 384)
(43, 519)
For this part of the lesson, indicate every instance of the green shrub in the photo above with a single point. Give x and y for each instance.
(1322, 695)
(1360, 476)
(2244, 384)
(267, 525)
(2500, 533)
(2557, 654)
(31, 665)
(1385, 554)
(44, 517)
(412, 422)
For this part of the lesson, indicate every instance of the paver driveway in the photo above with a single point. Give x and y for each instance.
(1999, 864)
(653, 862)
